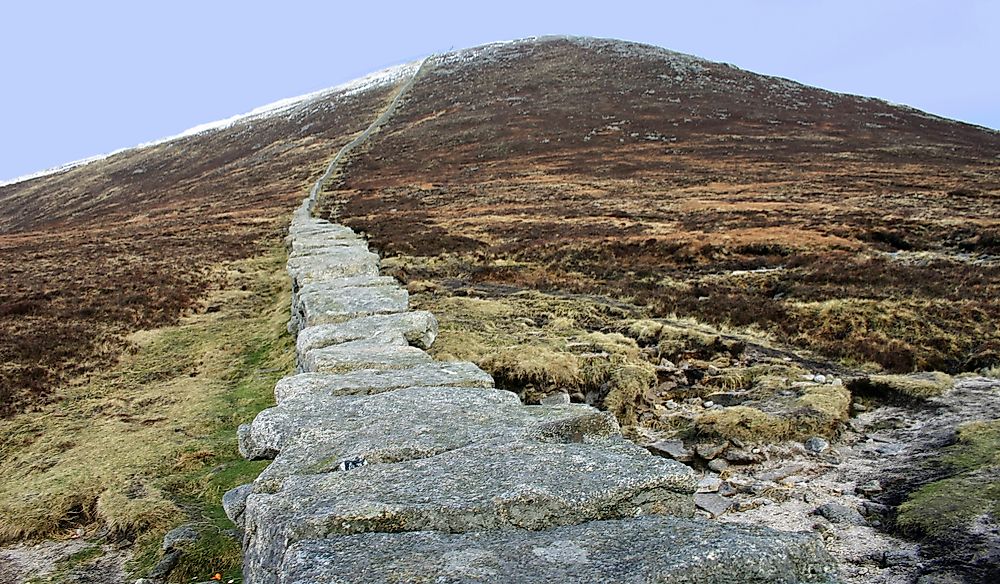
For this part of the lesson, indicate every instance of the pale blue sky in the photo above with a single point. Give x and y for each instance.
(84, 78)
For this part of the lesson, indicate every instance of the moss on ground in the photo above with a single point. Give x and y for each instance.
(151, 444)
(969, 489)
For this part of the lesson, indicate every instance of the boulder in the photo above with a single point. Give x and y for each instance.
(419, 328)
(336, 262)
(357, 355)
(234, 502)
(645, 549)
(490, 485)
(318, 306)
(372, 381)
(315, 433)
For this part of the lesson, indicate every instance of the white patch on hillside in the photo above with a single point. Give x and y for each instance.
(371, 81)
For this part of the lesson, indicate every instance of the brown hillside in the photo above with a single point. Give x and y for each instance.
(608, 167)
(128, 243)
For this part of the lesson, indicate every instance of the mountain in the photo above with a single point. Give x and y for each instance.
(554, 201)
(649, 172)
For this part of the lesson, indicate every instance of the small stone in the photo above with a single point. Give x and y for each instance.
(742, 456)
(820, 378)
(179, 537)
(555, 399)
(816, 444)
(709, 484)
(808, 377)
(674, 449)
(726, 489)
(837, 381)
(837, 513)
(873, 509)
(712, 370)
(870, 488)
(714, 503)
(859, 407)
(777, 474)
(708, 403)
(709, 451)
(718, 464)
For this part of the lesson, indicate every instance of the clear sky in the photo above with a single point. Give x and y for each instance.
(83, 78)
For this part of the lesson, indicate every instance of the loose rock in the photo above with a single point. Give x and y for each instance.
(816, 444)
(674, 449)
(837, 513)
(714, 503)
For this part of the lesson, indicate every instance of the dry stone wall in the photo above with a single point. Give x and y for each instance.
(389, 466)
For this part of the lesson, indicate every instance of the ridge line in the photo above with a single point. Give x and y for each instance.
(376, 124)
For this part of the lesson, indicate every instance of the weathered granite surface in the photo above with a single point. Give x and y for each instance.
(496, 484)
(320, 305)
(320, 435)
(419, 328)
(372, 381)
(378, 353)
(642, 550)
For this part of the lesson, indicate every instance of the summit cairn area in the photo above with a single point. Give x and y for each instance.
(390, 466)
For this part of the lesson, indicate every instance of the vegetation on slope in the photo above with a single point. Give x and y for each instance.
(610, 354)
(151, 443)
(129, 243)
(860, 230)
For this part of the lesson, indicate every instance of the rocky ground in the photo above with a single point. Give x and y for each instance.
(75, 561)
(846, 490)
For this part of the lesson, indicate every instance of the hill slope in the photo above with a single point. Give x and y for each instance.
(129, 242)
(589, 165)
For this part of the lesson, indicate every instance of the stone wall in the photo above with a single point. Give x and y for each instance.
(390, 466)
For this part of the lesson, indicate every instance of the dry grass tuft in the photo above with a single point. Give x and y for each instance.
(522, 365)
(915, 385)
(744, 423)
(134, 508)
